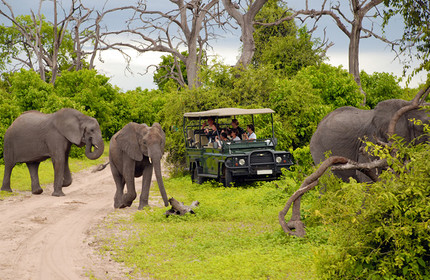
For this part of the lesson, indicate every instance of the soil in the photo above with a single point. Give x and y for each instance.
(47, 237)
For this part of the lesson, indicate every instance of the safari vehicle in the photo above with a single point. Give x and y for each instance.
(232, 161)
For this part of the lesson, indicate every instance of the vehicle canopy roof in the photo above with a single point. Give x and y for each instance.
(227, 112)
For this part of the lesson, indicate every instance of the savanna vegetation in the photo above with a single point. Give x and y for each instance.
(354, 231)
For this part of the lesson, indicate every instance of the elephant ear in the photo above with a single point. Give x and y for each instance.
(67, 122)
(157, 126)
(127, 140)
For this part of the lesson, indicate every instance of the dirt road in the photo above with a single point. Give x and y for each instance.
(46, 237)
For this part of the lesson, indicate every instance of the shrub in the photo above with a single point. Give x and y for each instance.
(381, 230)
(380, 87)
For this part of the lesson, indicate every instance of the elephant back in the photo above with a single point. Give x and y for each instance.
(340, 133)
(384, 112)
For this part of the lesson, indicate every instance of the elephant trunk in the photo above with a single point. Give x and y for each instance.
(98, 148)
(157, 169)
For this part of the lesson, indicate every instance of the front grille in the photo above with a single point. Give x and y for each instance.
(261, 157)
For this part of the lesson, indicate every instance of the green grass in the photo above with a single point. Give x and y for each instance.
(21, 181)
(234, 234)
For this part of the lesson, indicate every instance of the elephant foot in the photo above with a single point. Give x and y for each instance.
(6, 189)
(141, 206)
(67, 183)
(37, 191)
(58, 193)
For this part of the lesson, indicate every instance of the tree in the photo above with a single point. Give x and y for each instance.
(166, 73)
(416, 34)
(189, 25)
(244, 16)
(285, 46)
(35, 43)
(354, 27)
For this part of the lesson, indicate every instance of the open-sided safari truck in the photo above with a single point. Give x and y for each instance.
(233, 161)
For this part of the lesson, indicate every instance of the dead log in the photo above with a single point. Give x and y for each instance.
(178, 208)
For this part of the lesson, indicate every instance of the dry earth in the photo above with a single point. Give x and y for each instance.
(46, 237)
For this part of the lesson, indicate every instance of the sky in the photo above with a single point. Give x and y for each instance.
(375, 56)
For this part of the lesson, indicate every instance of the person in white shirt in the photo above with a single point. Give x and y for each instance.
(234, 135)
(251, 134)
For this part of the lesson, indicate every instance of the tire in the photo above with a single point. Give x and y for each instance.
(195, 178)
(228, 178)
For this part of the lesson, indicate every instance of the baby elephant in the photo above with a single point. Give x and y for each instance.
(134, 151)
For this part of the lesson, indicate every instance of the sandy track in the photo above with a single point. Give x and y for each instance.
(46, 237)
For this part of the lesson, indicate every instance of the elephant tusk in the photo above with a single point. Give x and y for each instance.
(95, 146)
(150, 160)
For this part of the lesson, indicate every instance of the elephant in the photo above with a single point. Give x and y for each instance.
(135, 151)
(34, 137)
(342, 132)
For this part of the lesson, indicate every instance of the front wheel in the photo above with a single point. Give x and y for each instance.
(228, 178)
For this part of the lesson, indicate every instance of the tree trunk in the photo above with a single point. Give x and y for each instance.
(247, 38)
(353, 53)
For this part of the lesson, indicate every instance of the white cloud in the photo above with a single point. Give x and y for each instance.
(114, 66)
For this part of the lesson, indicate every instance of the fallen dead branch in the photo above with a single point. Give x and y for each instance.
(178, 208)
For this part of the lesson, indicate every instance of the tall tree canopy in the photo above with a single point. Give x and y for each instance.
(285, 46)
(416, 15)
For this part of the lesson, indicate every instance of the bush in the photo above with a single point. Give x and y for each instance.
(29, 90)
(335, 85)
(381, 231)
(380, 87)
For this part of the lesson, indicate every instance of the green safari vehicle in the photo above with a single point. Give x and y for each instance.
(227, 161)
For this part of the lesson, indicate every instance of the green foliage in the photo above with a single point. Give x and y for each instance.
(381, 231)
(300, 107)
(9, 111)
(13, 44)
(233, 235)
(305, 99)
(163, 75)
(416, 32)
(284, 46)
(29, 90)
(380, 87)
(336, 86)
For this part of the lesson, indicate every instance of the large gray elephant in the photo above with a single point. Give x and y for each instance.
(135, 151)
(343, 130)
(34, 137)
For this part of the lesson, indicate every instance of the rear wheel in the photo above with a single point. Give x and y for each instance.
(195, 176)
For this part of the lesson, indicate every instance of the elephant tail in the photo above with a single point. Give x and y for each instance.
(100, 167)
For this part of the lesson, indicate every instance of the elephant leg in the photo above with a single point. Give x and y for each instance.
(146, 185)
(33, 168)
(6, 178)
(128, 173)
(67, 178)
(119, 182)
(59, 164)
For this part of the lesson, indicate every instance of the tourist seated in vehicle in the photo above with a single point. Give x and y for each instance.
(234, 135)
(223, 139)
(210, 129)
(240, 131)
(251, 134)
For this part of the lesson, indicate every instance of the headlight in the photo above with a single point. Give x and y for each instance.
(241, 161)
(278, 159)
